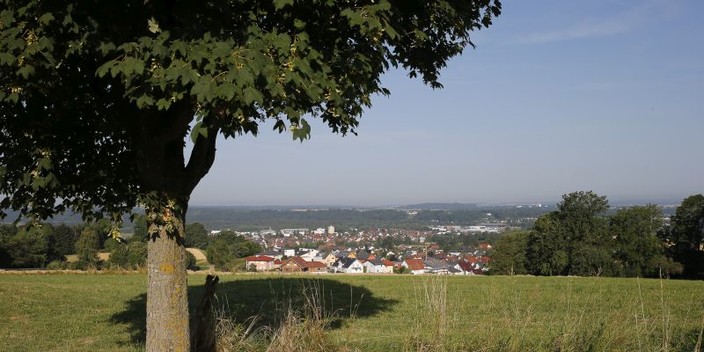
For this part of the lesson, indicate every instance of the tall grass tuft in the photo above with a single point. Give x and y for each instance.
(302, 327)
(233, 336)
(432, 317)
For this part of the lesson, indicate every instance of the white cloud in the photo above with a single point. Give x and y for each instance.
(625, 21)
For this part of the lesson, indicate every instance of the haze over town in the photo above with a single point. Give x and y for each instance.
(557, 97)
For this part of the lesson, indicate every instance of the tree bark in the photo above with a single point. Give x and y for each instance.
(167, 289)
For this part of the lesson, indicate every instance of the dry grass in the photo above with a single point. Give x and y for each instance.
(301, 329)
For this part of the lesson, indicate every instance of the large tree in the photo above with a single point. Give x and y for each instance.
(638, 250)
(546, 247)
(574, 239)
(97, 99)
(684, 238)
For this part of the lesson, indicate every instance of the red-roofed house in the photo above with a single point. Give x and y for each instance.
(298, 264)
(388, 263)
(260, 263)
(293, 264)
(316, 267)
(415, 266)
(466, 266)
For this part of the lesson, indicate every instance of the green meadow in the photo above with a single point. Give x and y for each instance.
(105, 312)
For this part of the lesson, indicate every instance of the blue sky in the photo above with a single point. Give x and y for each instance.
(558, 96)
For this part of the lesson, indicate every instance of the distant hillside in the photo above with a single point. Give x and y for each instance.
(261, 218)
(345, 219)
(440, 206)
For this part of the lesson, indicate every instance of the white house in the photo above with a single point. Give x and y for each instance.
(289, 252)
(348, 265)
(309, 254)
(260, 263)
(378, 266)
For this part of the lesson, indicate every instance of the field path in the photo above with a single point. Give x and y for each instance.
(197, 253)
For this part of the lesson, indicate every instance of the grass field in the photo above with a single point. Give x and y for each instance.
(105, 312)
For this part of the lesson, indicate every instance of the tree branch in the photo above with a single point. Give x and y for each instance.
(201, 159)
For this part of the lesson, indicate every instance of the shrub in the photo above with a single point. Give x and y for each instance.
(191, 261)
(110, 244)
(56, 265)
(87, 246)
(79, 265)
(228, 247)
(138, 254)
(119, 257)
(131, 255)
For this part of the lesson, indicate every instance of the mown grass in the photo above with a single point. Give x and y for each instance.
(74, 312)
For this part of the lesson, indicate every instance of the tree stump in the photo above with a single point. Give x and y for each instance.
(203, 325)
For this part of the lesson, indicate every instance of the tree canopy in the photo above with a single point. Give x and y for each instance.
(96, 97)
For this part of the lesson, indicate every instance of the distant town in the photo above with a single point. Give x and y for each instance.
(433, 238)
(378, 251)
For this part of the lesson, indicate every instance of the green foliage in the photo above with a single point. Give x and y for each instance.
(140, 228)
(462, 242)
(573, 239)
(578, 239)
(591, 260)
(545, 252)
(29, 247)
(110, 244)
(685, 236)
(639, 252)
(6, 233)
(196, 236)
(119, 257)
(228, 247)
(56, 265)
(88, 246)
(131, 255)
(35, 244)
(64, 239)
(191, 261)
(509, 254)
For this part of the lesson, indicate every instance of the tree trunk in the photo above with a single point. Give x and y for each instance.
(167, 290)
(167, 181)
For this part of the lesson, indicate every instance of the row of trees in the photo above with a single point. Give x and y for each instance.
(38, 244)
(43, 245)
(580, 239)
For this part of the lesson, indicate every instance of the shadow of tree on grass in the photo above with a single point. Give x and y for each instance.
(135, 317)
(268, 300)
